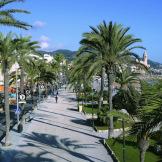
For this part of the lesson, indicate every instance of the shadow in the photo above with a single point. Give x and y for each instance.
(70, 129)
(20, 156)
(81, 122)
(72, 109)
(57, 113)
(64, 124)
(42, 141)
(71, 99)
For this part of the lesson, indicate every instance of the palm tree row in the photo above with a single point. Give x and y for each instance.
(110, 49)
(34, 70)
(7, 48)
(21, 50)
(12, 50)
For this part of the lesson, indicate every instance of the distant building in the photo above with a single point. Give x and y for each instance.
(48, 57)
(145, 60)
(137, 68)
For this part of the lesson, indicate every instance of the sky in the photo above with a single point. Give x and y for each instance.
(59, 24)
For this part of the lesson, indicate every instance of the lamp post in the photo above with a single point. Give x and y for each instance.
(93, 90)
(124, 111)
(17, 95)
(17, 98)
(82, 87)
(39, 92)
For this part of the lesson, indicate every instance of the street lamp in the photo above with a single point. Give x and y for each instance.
(82, 88)
(124, 111)
(93, 90)
(17, 95)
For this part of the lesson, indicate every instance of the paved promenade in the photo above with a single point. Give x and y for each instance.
(58, 133)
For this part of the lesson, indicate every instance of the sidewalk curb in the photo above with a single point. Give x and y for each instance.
(110, 151)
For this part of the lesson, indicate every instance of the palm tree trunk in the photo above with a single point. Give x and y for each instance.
(142, 156)
(110, 89)
(6, 100)
(143, 145)
(102, 88)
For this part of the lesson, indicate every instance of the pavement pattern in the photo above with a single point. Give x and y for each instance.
(57, 133)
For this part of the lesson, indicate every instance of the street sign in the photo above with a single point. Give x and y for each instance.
(27, 92)
(41, 86)
(22, 97)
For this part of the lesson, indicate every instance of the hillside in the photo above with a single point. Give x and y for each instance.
(154, 64)
(69, 55)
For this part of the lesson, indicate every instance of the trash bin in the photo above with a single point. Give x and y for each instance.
(80, 108)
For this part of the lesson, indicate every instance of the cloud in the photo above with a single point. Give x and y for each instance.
(44, 45)
(39, 24)
(44, 42)
(44, 38)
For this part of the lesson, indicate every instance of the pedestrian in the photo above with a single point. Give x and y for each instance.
(56, 97)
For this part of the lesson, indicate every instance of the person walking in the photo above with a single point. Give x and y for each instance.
(56, 98)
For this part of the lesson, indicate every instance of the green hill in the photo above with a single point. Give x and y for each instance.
(154, 64)
(69, 55)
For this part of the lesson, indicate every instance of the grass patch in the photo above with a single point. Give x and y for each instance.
(100, 126)
(117, 125)
(131, 151)
(88, 109)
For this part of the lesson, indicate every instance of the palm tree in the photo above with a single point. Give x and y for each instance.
(26, 50)
(47, 74)
(94, 57)
(114, 44)
(80, 76)
(7, 15)
(60, 61)
(149, 116)
(128, 91)
(8, 58)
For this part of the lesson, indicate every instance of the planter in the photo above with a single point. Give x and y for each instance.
(80, 108)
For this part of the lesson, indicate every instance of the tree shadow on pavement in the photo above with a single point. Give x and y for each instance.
(72, 109)
(58, 113)
(20, 156)
(71, 99)
(63, 123)
(70, 129)
(49, 143)
(81, 122)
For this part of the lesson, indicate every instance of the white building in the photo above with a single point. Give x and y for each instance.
(48, 57)
(145, 60)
